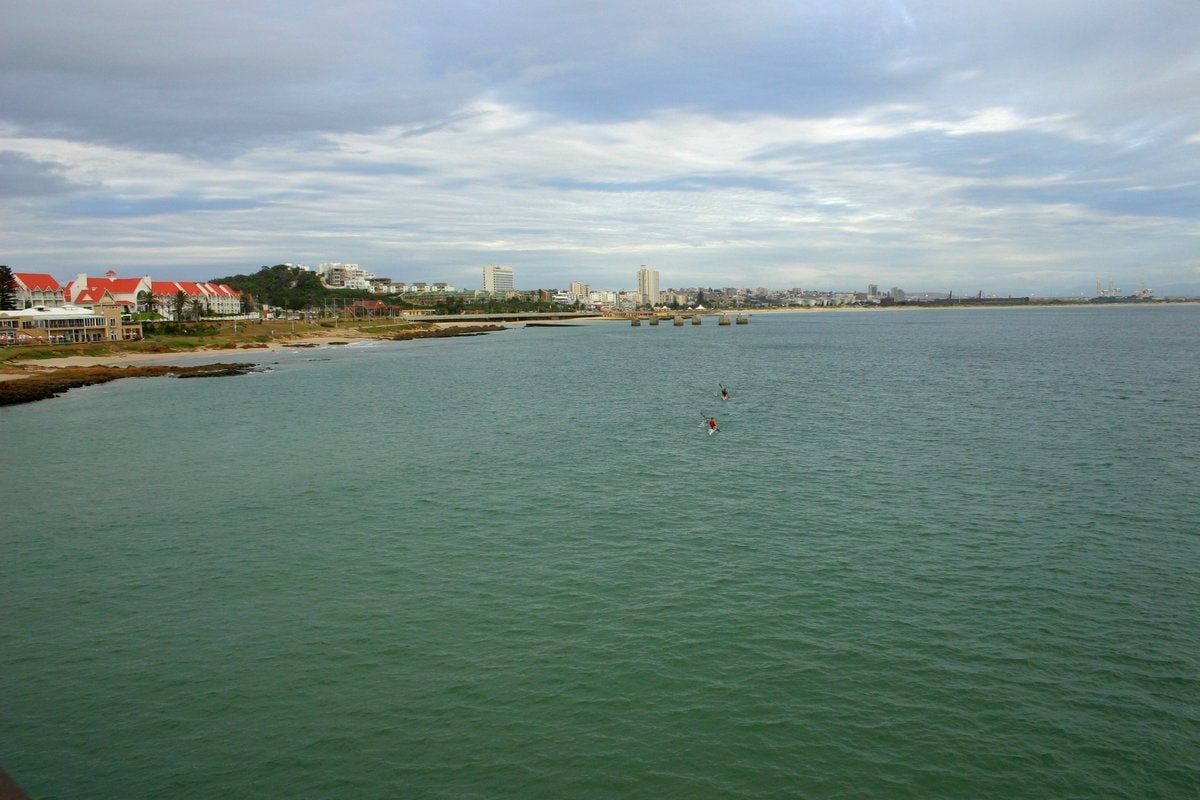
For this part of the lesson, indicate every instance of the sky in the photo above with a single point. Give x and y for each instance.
(1011, 148)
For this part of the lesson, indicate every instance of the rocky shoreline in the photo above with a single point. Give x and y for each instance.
(51, 382)
(43, 381)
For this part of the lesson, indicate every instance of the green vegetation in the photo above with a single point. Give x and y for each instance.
(8, 289)
(285, 287)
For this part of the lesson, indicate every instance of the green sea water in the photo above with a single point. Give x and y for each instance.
(930, 554)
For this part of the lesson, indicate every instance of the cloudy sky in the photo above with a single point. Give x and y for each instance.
(1016, 147)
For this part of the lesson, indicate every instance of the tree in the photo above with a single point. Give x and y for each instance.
(290, 287)
(149, 301)
(180, 304)
(8, 289)
(197, 309)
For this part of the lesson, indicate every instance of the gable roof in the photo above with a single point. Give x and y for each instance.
(128, 287)
(192, 289)
(37, 282)
(93, 294)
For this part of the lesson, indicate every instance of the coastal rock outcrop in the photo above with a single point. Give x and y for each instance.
(43, 383)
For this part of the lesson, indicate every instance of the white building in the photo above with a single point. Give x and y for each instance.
(602, 299)
(337, 275)
(37, 289)
(497, 278)
(647, 286)
(213, 298)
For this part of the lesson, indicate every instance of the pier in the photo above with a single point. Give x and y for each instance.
(678, 319)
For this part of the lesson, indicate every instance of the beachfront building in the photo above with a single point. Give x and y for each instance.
(497, 279)
(67, 324)
(647, 283)
(37, 289)
(87, 291)
(214, 298)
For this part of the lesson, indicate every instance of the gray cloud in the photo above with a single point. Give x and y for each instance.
(829, 141)
(21, 177)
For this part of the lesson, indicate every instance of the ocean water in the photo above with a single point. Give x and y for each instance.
(930, 554)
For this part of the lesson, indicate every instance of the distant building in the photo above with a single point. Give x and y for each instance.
(337, 275)
(647, 283)
(602, 299)
(497, 279)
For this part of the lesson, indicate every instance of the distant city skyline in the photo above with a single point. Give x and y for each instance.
(1024, 147)
(645, 282)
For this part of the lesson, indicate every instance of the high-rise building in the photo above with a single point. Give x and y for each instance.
(497, 278)
(647, 283)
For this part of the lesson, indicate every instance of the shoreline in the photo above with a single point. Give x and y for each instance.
(18, 368)
(23, 381)
(128, 358)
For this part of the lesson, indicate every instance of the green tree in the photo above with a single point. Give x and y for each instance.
(197, 309)
(293, 288)
(179, 303)
(8, 289)
(148, 300)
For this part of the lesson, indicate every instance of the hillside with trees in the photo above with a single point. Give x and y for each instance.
(286, 287)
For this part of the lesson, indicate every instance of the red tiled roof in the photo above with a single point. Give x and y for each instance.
(37, 281)
(124, 284)
(190, 288)
(92, 294)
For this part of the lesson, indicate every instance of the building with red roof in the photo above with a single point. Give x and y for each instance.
(214, 298)
(40, 290)
(125, 292)
(37, 289)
